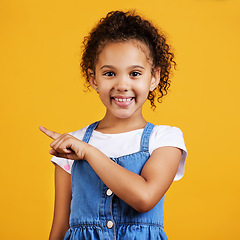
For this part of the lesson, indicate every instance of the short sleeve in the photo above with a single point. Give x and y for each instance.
(64, 163)
(166, 136)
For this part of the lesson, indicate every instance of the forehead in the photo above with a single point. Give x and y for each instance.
(125, 52)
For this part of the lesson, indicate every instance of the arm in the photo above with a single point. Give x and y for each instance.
(145, 189)
(63, 194)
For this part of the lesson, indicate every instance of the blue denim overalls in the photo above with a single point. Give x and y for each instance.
(97, 213)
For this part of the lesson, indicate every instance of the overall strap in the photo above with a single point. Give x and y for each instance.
(145, 137)
(89, 131)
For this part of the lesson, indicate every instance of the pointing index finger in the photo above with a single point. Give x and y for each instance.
(50, 133)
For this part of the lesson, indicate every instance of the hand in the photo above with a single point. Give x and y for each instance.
(65, 145)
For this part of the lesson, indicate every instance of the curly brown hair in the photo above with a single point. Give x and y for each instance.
(119, 26)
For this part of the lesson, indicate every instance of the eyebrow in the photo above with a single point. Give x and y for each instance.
(107, 66)
(133, 66)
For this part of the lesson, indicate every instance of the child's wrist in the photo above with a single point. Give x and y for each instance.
(88, 150)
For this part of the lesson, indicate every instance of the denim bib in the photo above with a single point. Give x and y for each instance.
(97, 213)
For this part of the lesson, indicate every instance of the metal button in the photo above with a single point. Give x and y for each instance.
(109, 224)
(109, 192)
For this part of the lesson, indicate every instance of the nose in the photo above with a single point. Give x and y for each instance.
(122, 84)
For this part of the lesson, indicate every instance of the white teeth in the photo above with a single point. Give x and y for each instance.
(123, 99)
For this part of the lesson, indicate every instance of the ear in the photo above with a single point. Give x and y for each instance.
(155, 78)
(91, 79)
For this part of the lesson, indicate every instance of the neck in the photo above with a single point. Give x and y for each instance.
(119, 125)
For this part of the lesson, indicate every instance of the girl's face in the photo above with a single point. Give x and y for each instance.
(123, 78)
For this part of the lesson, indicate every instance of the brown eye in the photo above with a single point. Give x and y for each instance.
(109, 74)
(135, 74)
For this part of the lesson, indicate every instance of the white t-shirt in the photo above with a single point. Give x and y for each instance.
(120, 144)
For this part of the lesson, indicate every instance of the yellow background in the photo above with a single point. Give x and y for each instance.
(41, 84)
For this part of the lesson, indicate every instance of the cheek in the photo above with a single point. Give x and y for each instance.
(104, 97)
(101, 82)
(143, 87)
(104, 88)
(104, 91)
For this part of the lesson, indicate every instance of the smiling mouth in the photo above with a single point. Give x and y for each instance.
(123, 99)
(123, 102)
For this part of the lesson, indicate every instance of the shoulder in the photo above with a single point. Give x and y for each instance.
(79, 133)
(163, 135)
(166, 129)
(160, 131)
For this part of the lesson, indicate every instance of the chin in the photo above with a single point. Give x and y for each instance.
(123, 115)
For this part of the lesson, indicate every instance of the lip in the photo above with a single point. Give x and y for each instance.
(123, 101)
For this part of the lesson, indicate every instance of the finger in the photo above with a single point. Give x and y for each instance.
(61, 150)
(61, 143)
(55, 153)
(71, 156)
(50, 133)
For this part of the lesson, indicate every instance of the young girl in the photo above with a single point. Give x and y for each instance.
(122, 165)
